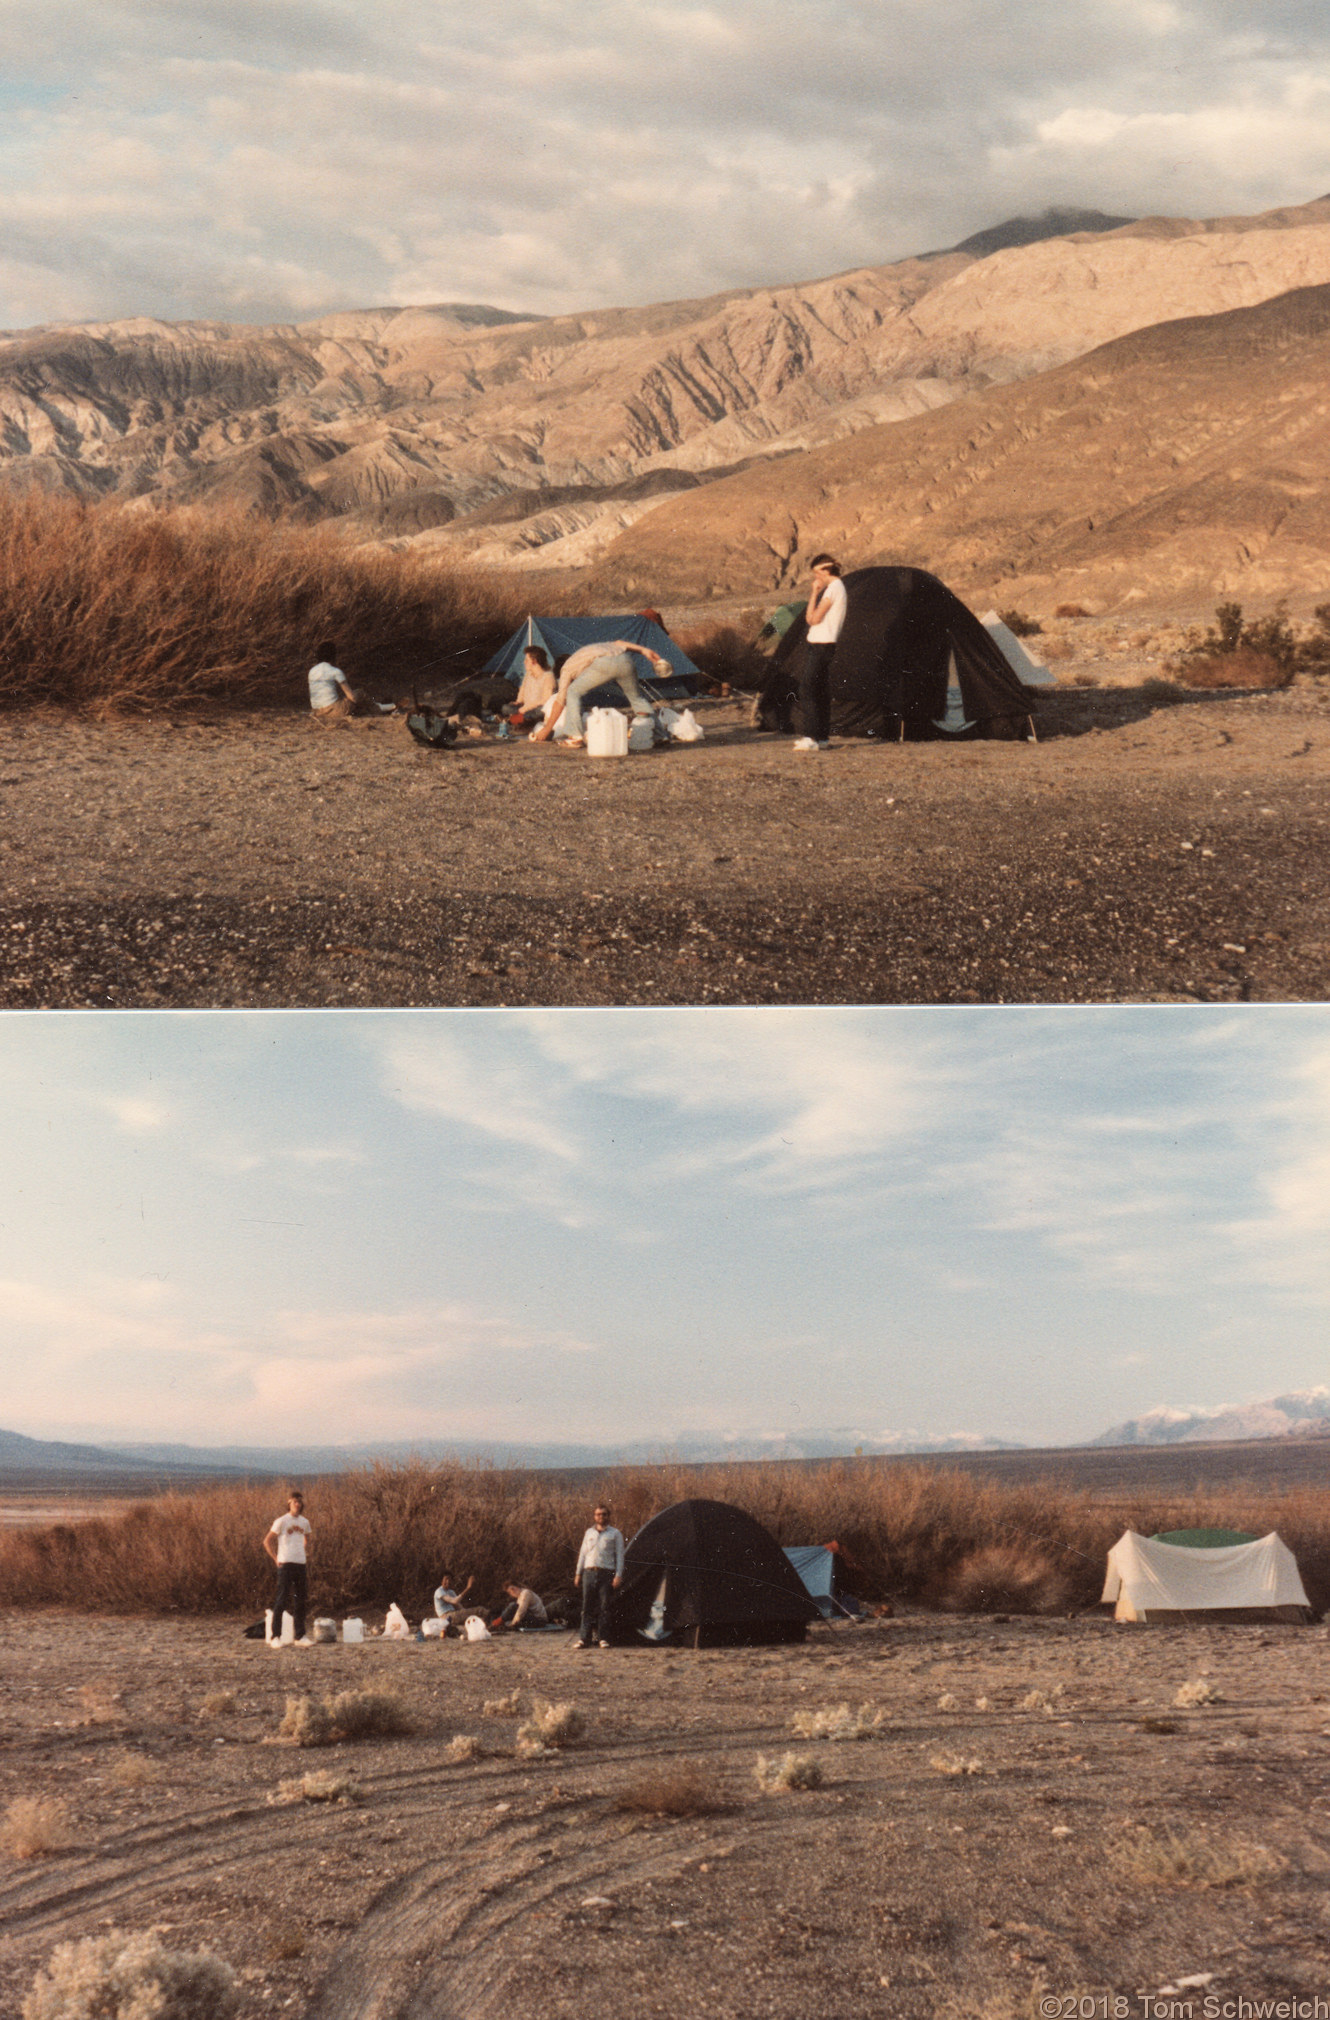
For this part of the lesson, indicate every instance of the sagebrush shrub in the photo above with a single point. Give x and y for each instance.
(1185, 1858)
(791, 1771)
(348, 1714)
(120, 1977)
(1006, 1578)
(463, 1746)
(683, 1788)
(35, 1825)
(838, 1722)
(321, 1786)
(551, 1725)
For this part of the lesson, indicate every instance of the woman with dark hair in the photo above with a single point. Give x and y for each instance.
(537, 689)
(331, 695)
(824, 617)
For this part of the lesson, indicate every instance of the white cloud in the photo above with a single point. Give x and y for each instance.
(506, 1098)
(136, 1114)
(794, 1095)
(433, 1369)
(261, 161)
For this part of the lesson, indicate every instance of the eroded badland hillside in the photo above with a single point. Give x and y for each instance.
(542, 443)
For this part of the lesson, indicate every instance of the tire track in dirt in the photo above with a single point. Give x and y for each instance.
(432, 1946)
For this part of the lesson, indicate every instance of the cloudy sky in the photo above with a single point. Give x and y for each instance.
(331, 1227)
(259, 159)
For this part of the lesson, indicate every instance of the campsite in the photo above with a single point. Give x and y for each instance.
(943, 1810)
(1155, 844)
(1034, 1816)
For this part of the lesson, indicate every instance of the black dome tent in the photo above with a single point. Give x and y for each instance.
(912, 660)
(712, 1577)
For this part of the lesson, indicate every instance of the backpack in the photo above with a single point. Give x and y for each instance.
(433, 730)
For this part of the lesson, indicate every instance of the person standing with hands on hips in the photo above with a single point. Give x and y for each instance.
(824, 617)
(286, 1543)
(599, 1573)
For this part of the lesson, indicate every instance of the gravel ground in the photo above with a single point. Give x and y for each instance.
(1142, 850)
(996, 1842)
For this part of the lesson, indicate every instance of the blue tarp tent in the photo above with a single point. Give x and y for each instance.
(816, 1566)
(562, 635)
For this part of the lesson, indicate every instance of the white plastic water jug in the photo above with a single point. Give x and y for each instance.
(353, 1630)
(288, 1629)
(606, 734)
(642, 733)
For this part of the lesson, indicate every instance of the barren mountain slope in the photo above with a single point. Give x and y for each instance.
(1184, 461)
(405, 419)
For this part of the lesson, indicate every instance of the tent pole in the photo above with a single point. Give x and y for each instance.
(1034, 734)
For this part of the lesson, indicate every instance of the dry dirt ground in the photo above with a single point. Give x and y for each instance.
(1144, 849)
(987, 1854)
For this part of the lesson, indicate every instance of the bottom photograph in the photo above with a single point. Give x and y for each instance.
(785, 1513)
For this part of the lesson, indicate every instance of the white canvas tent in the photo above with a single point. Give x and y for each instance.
(1151, 1580)
(1018, 657)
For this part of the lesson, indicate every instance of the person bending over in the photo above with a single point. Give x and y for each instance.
(596, 666)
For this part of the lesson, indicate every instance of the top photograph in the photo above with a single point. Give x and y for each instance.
(665, 505)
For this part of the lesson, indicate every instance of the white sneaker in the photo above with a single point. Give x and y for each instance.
(807, 743)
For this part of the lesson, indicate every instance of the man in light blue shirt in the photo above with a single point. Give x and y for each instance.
(599, 1573)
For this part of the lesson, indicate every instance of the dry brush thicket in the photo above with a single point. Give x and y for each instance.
(919, 1533)
(109, 608)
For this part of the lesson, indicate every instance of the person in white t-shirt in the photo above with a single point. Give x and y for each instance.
(331, 695)
(824, 617)
(286, 1543)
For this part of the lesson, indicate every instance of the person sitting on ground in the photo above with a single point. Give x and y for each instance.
(525, 1608)
(331, 695)
(596, 666)
(448, 1601)
(538, 683)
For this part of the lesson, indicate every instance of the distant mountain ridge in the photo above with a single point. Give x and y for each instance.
(1297, 1414)
(413, 424)
(1301, 1413)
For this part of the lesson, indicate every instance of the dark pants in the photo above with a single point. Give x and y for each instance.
(292, 1597)
(597, 1588)
(815, 692)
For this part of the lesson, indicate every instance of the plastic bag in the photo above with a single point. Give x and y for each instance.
(395, 1627)
(476, 1630)
(687, 729)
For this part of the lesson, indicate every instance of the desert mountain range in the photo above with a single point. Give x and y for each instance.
(601, 441)
(1300, 1414)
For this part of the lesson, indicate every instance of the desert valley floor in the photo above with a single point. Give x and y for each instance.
(1148, 848)
(1034, 1823)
